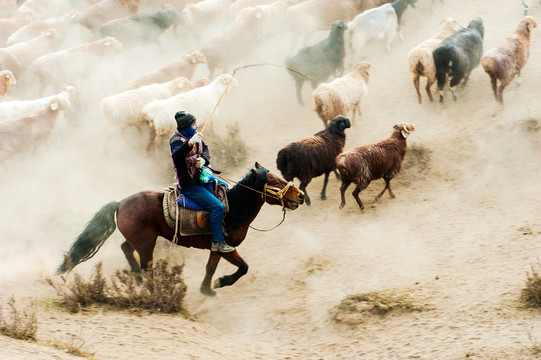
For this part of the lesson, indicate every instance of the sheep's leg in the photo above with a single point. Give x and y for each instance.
(356, 196)
(494, 83)
(500, 91)
(387, 187)
(429, 84)
(302, 187)
(323, 196)
(416, 79)
(337, 174)
(343, 187)
(298, 84)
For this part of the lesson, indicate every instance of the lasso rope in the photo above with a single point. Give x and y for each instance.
(231, 80)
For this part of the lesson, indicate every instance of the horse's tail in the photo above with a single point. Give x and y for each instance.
(87, 244)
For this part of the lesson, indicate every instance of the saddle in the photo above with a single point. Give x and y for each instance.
(192, 221)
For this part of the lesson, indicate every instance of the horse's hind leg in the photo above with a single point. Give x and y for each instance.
(235, 259)
(212, 263)
(128, 252)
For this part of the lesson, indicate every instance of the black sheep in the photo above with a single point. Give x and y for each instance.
(144, 27)
(458, 55)
(313, 156)
(319, 61)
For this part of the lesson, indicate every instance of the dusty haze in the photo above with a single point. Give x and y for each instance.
(460, 235)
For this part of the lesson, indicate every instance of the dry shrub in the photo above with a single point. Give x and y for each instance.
(531, 294)
(18, 324)
(229, 150)
(353, 309)
(160, 290)
(530, 125)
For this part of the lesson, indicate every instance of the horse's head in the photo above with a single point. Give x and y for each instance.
(278, 191)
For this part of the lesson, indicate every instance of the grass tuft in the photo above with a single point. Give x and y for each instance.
(160, 290)
(18, 324)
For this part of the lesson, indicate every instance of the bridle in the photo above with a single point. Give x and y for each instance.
(276, 192)
(270, 191)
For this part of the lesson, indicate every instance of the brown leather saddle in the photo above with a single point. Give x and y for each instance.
(191, 222)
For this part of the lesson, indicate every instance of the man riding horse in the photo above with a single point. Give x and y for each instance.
(191, 159)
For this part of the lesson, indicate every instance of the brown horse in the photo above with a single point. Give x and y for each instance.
(140, 219)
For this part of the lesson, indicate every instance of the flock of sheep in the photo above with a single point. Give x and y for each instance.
(34, 50)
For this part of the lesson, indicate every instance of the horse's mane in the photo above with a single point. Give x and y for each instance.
(240, 198)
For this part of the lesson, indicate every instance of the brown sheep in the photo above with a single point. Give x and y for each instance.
(421, 59)
(371, 162)
(6, 80)
(506, 60)
(21, 134)
(185, 67)
(314, 155)
(342, 95)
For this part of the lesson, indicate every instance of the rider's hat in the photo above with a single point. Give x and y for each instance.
(184, 120)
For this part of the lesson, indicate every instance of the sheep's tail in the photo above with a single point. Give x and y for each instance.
(328, 104)
(420, 68)
(87, 244)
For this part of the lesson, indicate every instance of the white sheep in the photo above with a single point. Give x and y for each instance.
(342, 95)
(209, 17)
(43, 9)
(421, 59)
(378, 23)
(184, 67)
(28, 51)
(60, 23)
(125, 109)
(21, 134)
(105, 10)
(66, 67)
(200, 102)
(17, 108)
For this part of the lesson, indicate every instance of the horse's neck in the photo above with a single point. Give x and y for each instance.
(242, 213)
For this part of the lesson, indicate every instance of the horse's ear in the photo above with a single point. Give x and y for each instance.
(255, 173)
(257, 165)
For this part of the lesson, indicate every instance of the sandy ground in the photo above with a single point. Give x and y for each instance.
(460, 237)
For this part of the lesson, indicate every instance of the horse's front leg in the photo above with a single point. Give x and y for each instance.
(212, 264)
(235, 259)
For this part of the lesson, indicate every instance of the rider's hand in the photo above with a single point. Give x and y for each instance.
(196, 139)
(199, 162)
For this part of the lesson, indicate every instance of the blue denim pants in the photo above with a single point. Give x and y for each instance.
(207, 200)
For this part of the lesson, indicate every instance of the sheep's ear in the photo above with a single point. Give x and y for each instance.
(54, 106)
(107, 43)
(404, 131)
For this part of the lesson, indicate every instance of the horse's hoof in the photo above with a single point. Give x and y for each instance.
(208, 291)
(217, 284)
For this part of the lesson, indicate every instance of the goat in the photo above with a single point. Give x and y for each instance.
(21, 134)
(200, 102)
(506, 60)
(342, 95)
(145, 27)
(314, 156)
(378, 23)
(66, 66)
(371, 162)
(458, 55)
(319, 61)
(184, 67)
(421, 59)
(6, 80)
